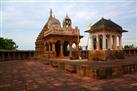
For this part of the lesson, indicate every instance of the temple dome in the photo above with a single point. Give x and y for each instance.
(53, 22)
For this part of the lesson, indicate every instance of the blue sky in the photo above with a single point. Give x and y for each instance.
(22, 20)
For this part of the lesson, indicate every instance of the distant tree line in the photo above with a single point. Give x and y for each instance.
(7, 44)
(129, 46)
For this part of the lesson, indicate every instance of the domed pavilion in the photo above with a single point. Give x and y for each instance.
(105, 34)
(55, 41)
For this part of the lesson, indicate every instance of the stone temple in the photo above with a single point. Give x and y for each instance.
(55, 41)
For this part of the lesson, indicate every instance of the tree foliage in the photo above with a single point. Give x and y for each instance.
(129, 46)
(7, 44)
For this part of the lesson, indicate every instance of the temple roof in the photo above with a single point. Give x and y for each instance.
(53, 28)
(53, 21)
(67, 17)
(105, 24)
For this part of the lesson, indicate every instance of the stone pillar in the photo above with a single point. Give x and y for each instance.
(104, 41)
(29, 55)
(70, 49)
(49, 50)
(77, 46)
(14, 56)
(110, 42)
(61, 49)
(45, 49)
(78, 51)
(23, 55)
(97, 44)
(18, 53)
(120, 42)
(91, 37)
(91, 42)
(53, 46)
(115, 42)
(3, 56)
(8, 56)
(53, 49)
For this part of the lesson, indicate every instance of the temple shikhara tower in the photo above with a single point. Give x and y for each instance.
(105, 34)
(55, 40)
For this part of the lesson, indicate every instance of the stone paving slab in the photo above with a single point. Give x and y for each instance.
(36, 76)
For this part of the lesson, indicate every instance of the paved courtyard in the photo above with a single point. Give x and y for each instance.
(36, 76)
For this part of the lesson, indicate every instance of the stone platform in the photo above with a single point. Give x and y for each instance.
(97, 69)
(36, 76)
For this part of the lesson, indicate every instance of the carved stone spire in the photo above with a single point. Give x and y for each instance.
(50, 12)
(67, 21)
(67, 16)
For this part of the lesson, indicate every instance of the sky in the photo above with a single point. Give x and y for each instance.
(23, 20)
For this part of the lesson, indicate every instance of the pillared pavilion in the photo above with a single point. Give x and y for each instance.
(55, 40)
(105, 34)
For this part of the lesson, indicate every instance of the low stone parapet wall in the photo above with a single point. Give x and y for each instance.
(105, 55)
(96, 70)
(130, 51)
(108, 54)
(6, 55)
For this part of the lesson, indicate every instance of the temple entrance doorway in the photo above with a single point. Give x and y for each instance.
(94, 43)
(100, 41)
(57, 47)
(65, 48)
(106, 43)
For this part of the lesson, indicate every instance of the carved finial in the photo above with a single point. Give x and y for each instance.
(76, 27)
(50, 12)
(67, 16)
(109, 19)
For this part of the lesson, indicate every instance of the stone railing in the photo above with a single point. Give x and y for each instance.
(130, 51)
(6, 55)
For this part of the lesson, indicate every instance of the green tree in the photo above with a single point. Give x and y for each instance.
(129, 46)
(7, 44)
